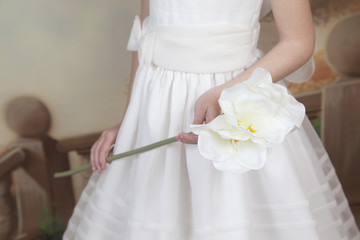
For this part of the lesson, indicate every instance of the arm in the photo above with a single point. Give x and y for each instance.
(294, 22)
(297, 39)
(108, 137)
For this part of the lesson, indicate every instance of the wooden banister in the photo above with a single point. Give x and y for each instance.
(312, 103)
(81, 144)
(11, 160)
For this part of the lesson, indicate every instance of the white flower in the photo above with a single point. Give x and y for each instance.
(256, 115)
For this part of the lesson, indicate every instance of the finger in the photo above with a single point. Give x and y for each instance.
(188, 138)
(103, 151)
(96, 155)
(101, 158)
(92, 155)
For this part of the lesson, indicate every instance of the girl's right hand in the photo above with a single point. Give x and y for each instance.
(101, 147)
(206, 109)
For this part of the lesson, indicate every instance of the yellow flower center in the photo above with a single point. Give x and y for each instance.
(249, 127)
(234, 142)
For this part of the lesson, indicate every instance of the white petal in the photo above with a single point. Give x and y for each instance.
(274, 91)
(221, 122)
(258, 76)
(250, 155)
(228, 166)
(268, 129)
(212, 146)
(216, 124)
(231, 98)
(296, 111)
(223, 127)
(228, 129)
(247, 158)
(196, 128)
(234, 99)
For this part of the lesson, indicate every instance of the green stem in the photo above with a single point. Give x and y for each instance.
(118, 156)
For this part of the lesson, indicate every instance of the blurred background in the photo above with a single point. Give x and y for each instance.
(64, 71)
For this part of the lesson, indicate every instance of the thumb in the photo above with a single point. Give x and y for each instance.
(211, 114)
(199, 115)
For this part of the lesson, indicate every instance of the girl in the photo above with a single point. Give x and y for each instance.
(186, 52)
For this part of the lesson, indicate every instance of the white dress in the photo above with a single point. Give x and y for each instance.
(172, 193)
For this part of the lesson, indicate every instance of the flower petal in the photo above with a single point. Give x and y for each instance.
(212, 146)
(250, 156)
(259, 76)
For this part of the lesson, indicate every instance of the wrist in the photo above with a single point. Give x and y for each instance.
(116, 127)
(238, 79)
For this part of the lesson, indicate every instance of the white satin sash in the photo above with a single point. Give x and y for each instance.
(202, 49)
(198, 49)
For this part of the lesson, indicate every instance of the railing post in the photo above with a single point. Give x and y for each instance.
(35, 186)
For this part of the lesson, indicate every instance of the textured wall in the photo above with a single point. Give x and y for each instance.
(69, 54)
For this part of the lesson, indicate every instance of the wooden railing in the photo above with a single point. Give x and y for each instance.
(11, 160)
(81, 144)
(312, 103)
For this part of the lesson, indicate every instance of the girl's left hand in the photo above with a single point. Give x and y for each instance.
(206, 109)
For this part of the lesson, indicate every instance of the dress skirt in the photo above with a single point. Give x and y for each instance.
(174, 193)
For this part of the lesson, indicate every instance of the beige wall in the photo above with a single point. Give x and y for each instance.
(71, 55)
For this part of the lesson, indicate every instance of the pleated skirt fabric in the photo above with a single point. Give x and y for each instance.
(172, 193)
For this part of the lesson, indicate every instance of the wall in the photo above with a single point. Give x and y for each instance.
(71, 55)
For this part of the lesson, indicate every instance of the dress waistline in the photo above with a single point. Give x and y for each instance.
(198, 49)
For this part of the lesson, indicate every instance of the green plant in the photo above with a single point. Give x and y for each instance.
(316, 122)
(51, 226)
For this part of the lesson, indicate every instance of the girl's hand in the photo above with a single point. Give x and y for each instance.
(100, 148)
(206, 109)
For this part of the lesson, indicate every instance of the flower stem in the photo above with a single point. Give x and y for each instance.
(118, 156)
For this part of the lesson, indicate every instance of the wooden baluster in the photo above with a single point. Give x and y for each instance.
(8, 162)
(7, 210)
